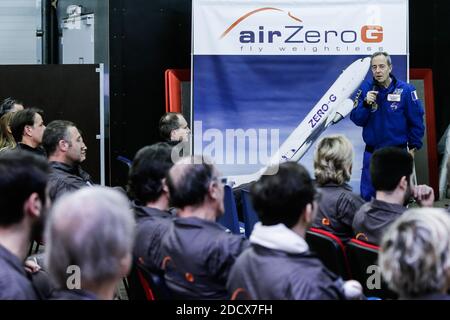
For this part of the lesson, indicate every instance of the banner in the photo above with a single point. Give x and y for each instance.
(271, 77)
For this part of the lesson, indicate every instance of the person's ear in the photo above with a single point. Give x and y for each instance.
(125, 265)
(308, 214)
(27, 130)
(165, 188)
(33, 205)
(403, 184)
(63, 145)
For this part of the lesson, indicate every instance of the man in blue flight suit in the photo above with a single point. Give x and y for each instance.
(389, 112)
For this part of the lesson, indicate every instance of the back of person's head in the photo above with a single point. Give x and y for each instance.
(22, 119)
(168, 122)
(8, 105)
(283, 197)
(333, 160)
(415, 253)
(189, 181)
(6, 138)
(56, 131)
(387, 167)
(150, 166)
(21, 175)
(92, 230)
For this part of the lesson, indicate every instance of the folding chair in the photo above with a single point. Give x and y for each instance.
(230, 217)
(250, 215)
(330, 250)
(144, 284)
(363, 260)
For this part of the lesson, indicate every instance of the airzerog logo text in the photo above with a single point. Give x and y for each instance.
(296, 33)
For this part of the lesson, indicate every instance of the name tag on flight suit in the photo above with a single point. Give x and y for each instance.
(393, 97)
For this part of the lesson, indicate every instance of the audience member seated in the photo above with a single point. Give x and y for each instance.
(89, 240)
(415, 255)
(198, 252)
(338, 204)
(173, 128)
(10, 105)
(27, 127)
(391, 173)
(66, 151)
(278, 264)
(7, 141)
(23, 203)
(148, 188)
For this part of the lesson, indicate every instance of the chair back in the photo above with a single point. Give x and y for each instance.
(250, 215)
(230, 217)
(330, 250)
(363, 260)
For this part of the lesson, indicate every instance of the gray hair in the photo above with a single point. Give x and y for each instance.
(93, 229)
(333, 159)
(382, 53)
(415, 253)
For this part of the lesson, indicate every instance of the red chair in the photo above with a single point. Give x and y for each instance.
(330, 250)
(363, 260)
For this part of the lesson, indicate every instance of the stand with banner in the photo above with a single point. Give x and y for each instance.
(271, 77)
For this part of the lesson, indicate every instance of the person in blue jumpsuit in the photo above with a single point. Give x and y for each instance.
(389, 112)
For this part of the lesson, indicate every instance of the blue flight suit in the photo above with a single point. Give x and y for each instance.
(396, 119)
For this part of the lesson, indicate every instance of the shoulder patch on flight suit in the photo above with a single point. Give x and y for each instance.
(414, 96)
(356, 100)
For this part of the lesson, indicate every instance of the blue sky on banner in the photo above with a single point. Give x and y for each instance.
(262, 90)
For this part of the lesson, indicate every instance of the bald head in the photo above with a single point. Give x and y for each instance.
(189, 181)
(93, 229)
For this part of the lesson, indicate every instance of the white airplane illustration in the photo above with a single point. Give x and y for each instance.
(334, 106)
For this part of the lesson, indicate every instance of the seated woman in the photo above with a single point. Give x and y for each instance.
(332, 168)
(415, 255)
(6, 139)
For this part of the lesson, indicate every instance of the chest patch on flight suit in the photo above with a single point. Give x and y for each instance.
(393, 97)
(394, 106)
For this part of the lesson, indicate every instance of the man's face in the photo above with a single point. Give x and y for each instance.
(37, 130)
(183, 131)
(76, 152)
(381, 69)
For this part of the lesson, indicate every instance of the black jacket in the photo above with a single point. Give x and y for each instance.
(152, 225)
(373, 218)
(336, 211)
(14, 281)
(75, 294)
(39, 151)
(198, 256)
(64, 178)
(270, 274)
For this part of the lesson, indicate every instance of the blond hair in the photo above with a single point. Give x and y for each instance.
(6, 138)
(333, 159)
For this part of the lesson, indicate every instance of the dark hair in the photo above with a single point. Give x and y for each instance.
(21, 174)
(168, 123)
(150, 165)
(282, 197)
(7, 105)
(192, 186)
(388, 165)
(21, 119)
(55, 131)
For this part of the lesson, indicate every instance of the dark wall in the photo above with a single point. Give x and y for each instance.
(146, 38)
(57, 90)
(429, 48)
